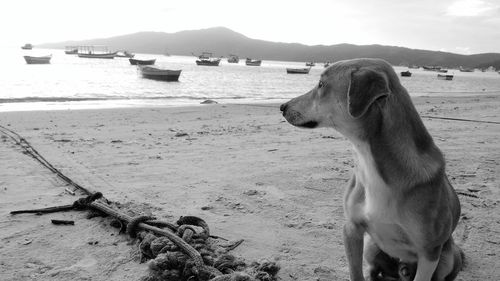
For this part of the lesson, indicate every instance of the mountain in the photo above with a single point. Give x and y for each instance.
(222, 41)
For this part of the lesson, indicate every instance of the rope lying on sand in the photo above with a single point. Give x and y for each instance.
(459, 119)
(177, 251)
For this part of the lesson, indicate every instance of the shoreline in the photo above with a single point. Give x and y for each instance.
(98, 104)
(240, 167)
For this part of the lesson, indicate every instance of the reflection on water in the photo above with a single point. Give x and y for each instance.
(73, 82)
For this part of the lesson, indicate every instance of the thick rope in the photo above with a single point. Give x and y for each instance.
(199, 256)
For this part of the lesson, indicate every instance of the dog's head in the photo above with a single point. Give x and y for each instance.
(345, 93)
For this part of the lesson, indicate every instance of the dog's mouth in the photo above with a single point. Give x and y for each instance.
(309, 125)
(297, 119)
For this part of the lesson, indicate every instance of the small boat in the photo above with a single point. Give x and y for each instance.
(95, 52)
(98, 56)
(141, 62)
(298, 70)
(208, 62)
(206, 59)
(233, 59)
(406, 73)
(466, 69)
(71, 50)
(252, 62)
(311, 63)
(27, 46)
(431, 68)
(38, 60)
(445, 76)
(442, 70)
(124, 54)
(157, 73)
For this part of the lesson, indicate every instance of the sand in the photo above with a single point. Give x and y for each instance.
(242, 168)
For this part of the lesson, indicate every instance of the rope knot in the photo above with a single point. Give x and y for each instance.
(84, 202)
(134, 224)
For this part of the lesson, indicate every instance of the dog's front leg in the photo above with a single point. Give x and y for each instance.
(353, 242)
(426, 266)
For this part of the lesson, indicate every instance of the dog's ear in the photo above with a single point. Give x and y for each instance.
(366, 86)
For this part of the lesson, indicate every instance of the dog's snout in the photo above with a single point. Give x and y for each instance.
(283, 107)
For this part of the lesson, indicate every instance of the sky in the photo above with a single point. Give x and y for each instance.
(458, 26)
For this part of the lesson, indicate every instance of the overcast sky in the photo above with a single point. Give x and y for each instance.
(459, 26)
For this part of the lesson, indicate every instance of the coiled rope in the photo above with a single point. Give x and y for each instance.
(176, 253)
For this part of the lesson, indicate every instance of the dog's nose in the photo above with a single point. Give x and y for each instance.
(283, 107)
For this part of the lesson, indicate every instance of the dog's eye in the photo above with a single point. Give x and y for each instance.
(320, 84)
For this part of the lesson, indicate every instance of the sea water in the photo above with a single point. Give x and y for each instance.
(70, 82)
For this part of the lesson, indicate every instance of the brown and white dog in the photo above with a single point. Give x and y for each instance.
(399, 194)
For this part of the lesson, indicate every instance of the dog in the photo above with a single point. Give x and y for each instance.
(399, 196)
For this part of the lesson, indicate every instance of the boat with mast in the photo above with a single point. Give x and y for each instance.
(96, 52)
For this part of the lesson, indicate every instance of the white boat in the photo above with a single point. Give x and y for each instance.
(27, 46)
(38, 60)
(95, 52)
(71, 50)
(157, 73)
(252, 62)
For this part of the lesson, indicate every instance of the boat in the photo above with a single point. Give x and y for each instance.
(27, 46)
(38, 60)
(311, 63)
(141, 62)
(466, 69)
(233, 59)
(406, 73)
(208, 62)
(95, 52)
(252, 62)
(71, 50)
(442, 70)
(298, 70)
(431, 68)
(156, 73)
(445, 76)
(124, 54)
(206, 59)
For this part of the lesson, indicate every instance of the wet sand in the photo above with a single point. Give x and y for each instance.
(242, 168)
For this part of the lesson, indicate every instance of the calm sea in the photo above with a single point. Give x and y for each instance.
(70, 82)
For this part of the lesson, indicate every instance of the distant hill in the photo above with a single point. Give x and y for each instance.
(222, 41)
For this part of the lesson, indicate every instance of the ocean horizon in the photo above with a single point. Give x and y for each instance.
(70, 82)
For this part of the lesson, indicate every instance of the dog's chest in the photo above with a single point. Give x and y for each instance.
(379, 198)
(380, 210)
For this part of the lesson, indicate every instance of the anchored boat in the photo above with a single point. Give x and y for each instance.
(71, 50)
(95, 52)
(142, 62)
(27, 46)
(156, 73)
(406, 73)
(38, 60)
(252, 62)
(445, 76)
(298, 70)
(206, 59)
(233, 59)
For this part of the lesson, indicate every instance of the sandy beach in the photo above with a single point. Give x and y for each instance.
(242, 168)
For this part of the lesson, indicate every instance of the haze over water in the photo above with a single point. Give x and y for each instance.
(70, 82)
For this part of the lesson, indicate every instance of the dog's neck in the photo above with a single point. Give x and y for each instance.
(402, 150)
